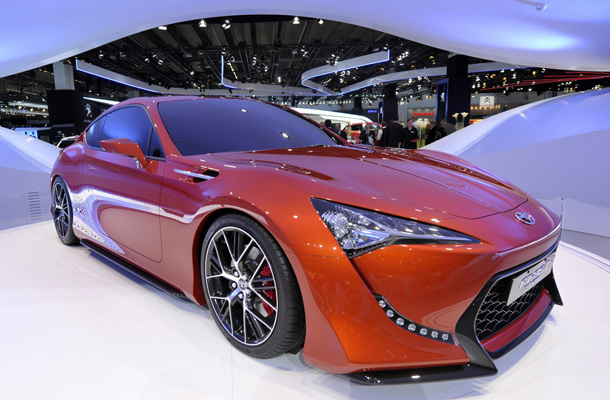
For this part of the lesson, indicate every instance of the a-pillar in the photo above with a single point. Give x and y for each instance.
(453, 93)
(389, 107)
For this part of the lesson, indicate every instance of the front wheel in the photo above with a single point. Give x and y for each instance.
(61, 208)
(250, 288)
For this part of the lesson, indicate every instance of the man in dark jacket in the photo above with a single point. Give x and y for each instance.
(392, 134)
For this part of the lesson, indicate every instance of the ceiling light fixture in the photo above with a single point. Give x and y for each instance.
(163, 28)
(227, 24)
(202, 23)
(296, 21)
(320, 21)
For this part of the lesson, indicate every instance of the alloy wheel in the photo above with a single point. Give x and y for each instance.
(61, 213)
(241, 286)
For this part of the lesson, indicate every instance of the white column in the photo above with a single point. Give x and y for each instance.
(64, 76)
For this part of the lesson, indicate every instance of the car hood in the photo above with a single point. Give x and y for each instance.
(425, 179)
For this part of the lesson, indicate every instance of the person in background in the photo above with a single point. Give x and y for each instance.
(329, 124)
(364, 134)
(342, 133)
(379, 138)
(371, 134)
(430, 132)
(392, 135)
(409, 134)
(440, 133)
(449, 128)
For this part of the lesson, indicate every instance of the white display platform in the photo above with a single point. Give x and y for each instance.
(72, 326)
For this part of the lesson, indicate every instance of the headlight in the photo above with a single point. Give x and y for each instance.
(358, 230)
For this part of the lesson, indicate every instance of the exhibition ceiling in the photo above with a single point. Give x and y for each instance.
(181, 45)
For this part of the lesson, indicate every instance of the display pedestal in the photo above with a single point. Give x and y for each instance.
(82, 329)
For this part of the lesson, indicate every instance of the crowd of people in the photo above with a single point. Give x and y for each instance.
(394, 134)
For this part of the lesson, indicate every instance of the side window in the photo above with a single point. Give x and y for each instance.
(129, 123)
(94, 133)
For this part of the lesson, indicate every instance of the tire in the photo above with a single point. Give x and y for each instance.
(250, 288)
(61, 208)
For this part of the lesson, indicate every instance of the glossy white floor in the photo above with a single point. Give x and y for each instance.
(74, 327)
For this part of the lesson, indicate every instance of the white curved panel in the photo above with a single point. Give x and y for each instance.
(563, 36)
(25, 167)
(551, 149)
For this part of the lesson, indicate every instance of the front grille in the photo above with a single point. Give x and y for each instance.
(494, 315)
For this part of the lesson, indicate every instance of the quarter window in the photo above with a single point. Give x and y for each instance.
(94, 133)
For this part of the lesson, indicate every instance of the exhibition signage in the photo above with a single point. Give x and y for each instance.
(487, 101)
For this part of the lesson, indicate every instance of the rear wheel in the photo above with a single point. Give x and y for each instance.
(61, 207)
(250, 288)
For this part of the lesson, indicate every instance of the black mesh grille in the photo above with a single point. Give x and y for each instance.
(494, 315)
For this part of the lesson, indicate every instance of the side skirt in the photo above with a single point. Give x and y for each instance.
(148, 278)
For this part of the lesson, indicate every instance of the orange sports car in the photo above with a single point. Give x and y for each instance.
(389, 265)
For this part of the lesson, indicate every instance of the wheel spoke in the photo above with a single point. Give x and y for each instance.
(215, 262)
(256, 328)
(228, 246)
(223, 309)
(258, 269)
(244, 320)
(259, 319)
(246, 249)
(263, 297)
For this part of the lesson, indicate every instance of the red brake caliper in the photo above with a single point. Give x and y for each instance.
(266, 272)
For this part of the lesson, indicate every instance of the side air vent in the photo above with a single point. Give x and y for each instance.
(205, 176)
(34, 207)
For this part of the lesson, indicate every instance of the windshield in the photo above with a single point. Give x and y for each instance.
(217, 125)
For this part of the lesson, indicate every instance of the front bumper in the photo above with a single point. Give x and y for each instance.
(431, 291)
(480, 354)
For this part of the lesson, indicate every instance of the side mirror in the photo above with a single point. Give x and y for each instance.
(126, 147)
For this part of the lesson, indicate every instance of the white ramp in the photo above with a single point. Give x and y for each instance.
(554, 148)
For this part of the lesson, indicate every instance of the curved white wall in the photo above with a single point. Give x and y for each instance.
(549, 150)
(566, 35)
(25, 168)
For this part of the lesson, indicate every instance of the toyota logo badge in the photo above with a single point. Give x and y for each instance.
(525, 218)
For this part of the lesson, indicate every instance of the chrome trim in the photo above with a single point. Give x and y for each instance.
(194, 175)
(545, 237)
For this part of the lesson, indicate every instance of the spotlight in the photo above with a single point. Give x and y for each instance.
(320, 21)
(227, 24)
(296, 21)
(192, 72)
(202, 24)
(160, 62)
(163, 28)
